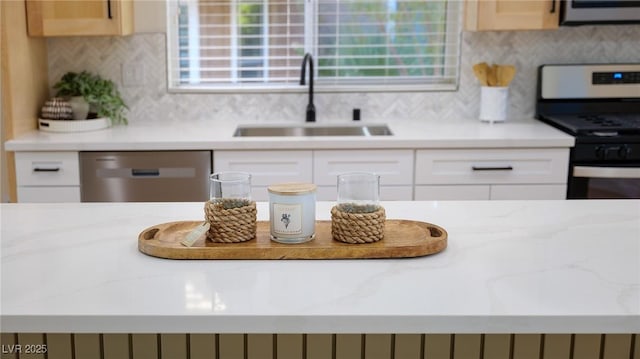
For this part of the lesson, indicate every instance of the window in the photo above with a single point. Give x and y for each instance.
(356, 44)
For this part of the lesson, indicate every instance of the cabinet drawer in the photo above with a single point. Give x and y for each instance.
(47, 169)
(266, 167)
(395, 167)
(492, 166)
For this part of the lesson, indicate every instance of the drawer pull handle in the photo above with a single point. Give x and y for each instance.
(500, 168)
(145, 172)
(53, 169)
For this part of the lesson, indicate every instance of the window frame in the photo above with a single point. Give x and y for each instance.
(453, 28)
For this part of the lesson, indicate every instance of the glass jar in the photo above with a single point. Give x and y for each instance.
(358, 192)
(292, 212)
(230, 189)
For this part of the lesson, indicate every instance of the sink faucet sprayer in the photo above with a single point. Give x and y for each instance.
(311, 109)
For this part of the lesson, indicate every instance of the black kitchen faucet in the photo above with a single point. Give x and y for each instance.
(311, 109)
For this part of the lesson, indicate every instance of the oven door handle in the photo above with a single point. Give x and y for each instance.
(606, 172)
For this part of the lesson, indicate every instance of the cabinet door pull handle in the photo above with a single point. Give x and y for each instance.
(53, 169)
(553, 6)
(500, 168)
(109, 15)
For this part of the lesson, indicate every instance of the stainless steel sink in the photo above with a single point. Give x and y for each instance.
(312, 130)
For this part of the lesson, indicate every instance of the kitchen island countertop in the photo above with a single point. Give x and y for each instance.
(510, 267)
(218, 135)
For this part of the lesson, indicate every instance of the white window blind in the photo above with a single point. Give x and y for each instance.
(358, 44)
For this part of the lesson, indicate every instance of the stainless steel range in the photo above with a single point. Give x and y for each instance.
(599, 104)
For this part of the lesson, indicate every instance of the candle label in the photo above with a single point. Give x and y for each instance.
(287, 218)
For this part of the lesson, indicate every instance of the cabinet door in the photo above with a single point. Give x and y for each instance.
(50, 194)
(511, 15)
(260, 193)
(79, 18)
(387, 193)
(457, 193)
(267, 167)
(506, 192)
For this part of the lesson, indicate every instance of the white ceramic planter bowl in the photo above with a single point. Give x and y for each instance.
(73, 126)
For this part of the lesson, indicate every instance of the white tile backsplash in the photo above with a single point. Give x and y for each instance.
(150, 100)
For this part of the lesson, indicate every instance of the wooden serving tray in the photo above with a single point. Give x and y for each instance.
(402, 238)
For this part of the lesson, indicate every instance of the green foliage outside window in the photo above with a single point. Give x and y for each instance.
(377, 38)
(353, 41)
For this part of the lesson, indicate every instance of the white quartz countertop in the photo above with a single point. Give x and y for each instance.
(202, 135)
(510, 267)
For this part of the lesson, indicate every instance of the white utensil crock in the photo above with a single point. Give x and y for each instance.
(494, 102)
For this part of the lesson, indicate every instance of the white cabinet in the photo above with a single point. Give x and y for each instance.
(543, 191)
(387, 193)
(395, 168)
(266, 167)
(461, 174)
(405, 174)
(444, 192)
(48, 176)
(440, 174)
(48, 194)
(321, 167)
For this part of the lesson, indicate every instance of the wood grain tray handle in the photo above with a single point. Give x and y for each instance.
(403, 238)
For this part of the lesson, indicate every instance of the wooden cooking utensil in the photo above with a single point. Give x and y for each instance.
(499, 75)
(492, 78)
(506, 74)
(481, 71)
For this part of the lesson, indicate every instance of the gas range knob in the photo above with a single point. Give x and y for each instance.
(623, 152)
(600, 152)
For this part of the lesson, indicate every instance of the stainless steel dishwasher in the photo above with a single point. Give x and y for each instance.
(145, 176)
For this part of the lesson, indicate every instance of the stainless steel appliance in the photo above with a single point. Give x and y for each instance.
(153, 176)
(599, 104)
(584, 12)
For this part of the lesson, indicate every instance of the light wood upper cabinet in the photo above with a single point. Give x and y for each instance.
(79, 18)
(484, 15)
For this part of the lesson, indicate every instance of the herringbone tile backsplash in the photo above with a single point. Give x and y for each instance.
(526, 49)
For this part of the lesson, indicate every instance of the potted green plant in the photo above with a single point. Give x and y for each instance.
(102, 95)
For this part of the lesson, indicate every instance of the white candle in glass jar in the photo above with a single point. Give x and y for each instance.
(292, 212)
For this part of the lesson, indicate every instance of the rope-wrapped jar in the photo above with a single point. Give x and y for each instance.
(357, 226)
(231, 221)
